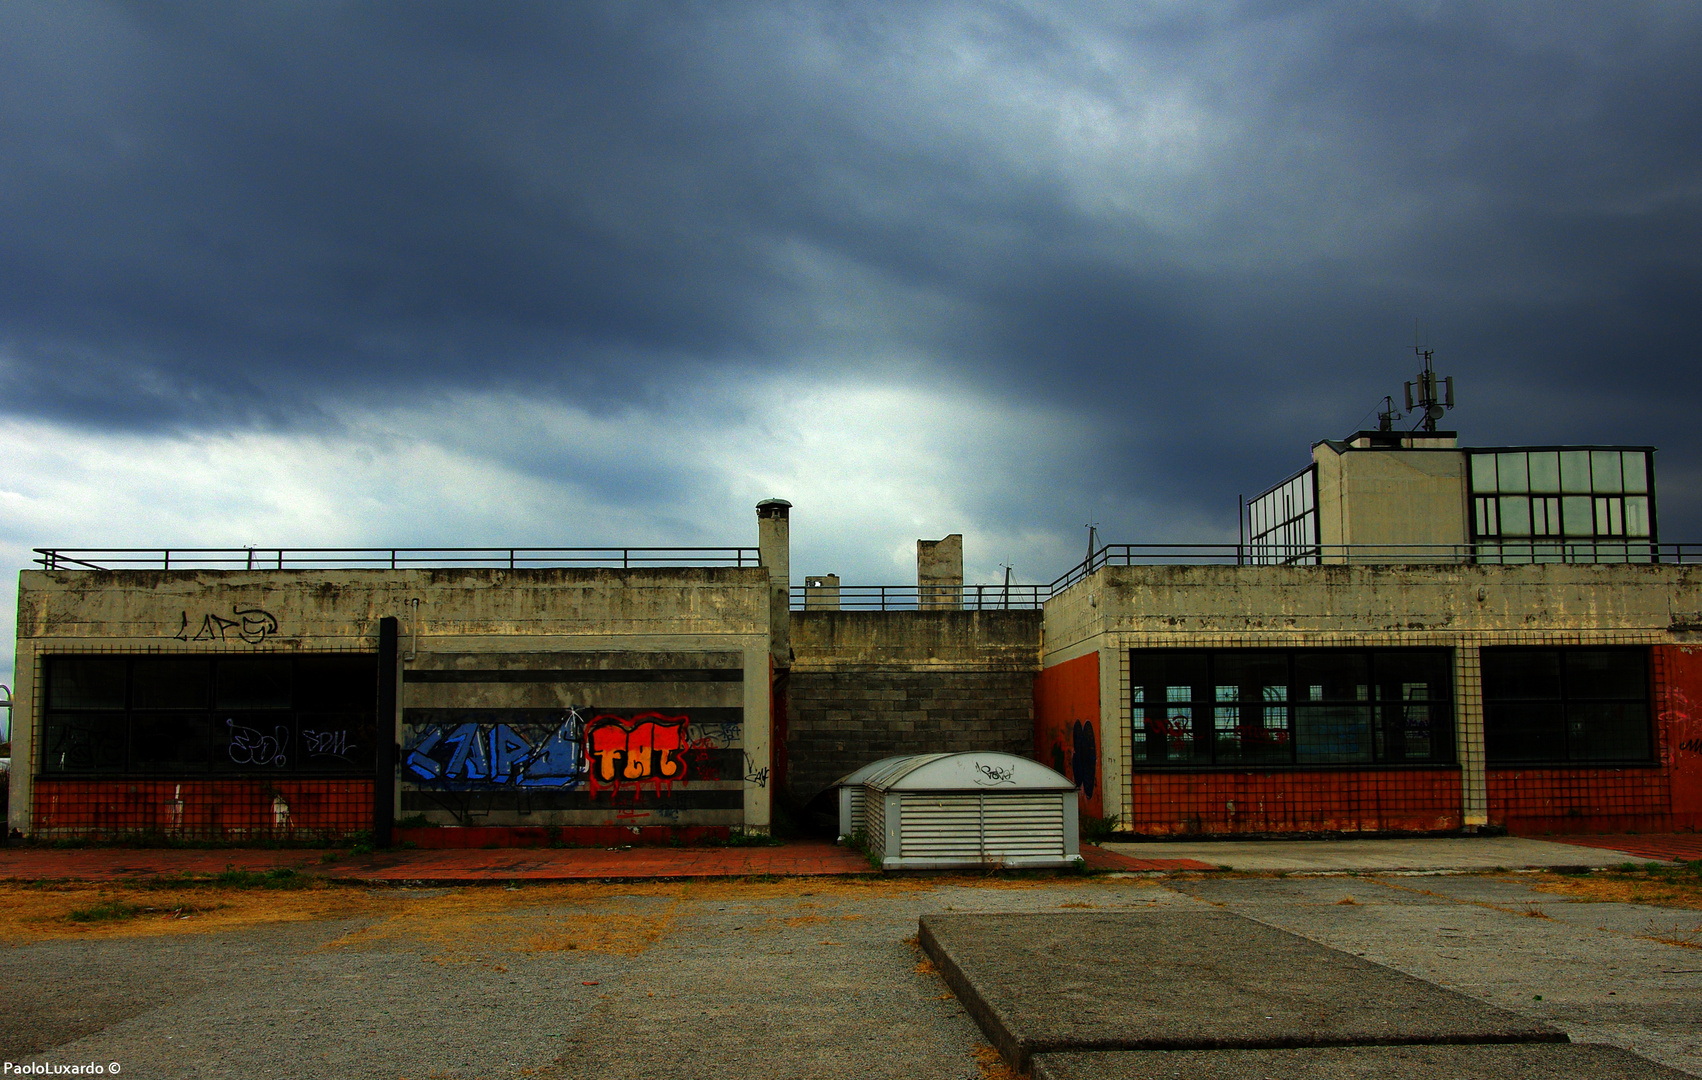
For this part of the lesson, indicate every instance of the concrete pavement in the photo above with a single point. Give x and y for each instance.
(1420, 854)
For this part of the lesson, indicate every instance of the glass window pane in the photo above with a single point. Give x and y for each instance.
(168, 742)
(1523, 732)
(1605, 471)
(1483, 473)
(1577, 516)
(1575, 471)
(1521, 673)
(1636, 472)
(1604, 731)
(1510, 473)
(83, 742)
(262, 683)
(1545, 471)
(336, 682)
(1607, 673)
(1332, 734)
(75, 682)
(1636, 515)
(170, 684)
(1515, 516)
(1332, 674)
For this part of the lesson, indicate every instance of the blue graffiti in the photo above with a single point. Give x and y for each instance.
(500, 755)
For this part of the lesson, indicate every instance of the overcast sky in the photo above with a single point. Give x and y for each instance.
(576, 274)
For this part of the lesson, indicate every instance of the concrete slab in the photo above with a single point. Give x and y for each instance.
(1177, 979)
(1383, 856)
(1528, 1061)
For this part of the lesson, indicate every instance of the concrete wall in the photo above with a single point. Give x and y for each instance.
(1464, 608)
(561, 625)
(1392, 497)
(939, 572)
(869, 684)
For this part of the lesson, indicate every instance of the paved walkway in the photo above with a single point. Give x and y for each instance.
(1672, 847)
(1463, 853)
(804, 858)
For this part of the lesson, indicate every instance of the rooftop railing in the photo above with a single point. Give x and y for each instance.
(1503, 552)
(513, 558)
(913, 597)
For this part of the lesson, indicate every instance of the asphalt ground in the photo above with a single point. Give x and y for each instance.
(817, 977)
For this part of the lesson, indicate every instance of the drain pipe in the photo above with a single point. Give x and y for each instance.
(413, 628)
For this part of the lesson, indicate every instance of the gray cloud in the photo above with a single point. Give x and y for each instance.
(1202, 231)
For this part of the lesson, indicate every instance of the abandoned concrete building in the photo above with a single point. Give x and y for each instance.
(1411, 636)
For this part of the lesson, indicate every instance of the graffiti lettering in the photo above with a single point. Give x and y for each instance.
(250, 746)
(252, 625)
(992, 774)
(1692, 745)
(498, 755)
(754, 775)
(326, 743)
(650, 747)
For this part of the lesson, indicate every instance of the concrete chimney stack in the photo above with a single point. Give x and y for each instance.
(774, 545)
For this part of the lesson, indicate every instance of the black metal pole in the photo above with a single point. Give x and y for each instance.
(384, 777)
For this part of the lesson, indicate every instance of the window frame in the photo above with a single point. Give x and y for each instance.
(206, 723)
(1442, 709)
(1549, 523)
(1561, 702)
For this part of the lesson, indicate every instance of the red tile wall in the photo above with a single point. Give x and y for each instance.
(1529, 801)
(210, 809)
(1406, 800)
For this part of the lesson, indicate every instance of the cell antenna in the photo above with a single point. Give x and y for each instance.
(1429, 396)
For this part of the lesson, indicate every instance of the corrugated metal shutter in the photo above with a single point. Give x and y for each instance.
(940, 826)
(981, 827)
(874, 823)
(1019, 825)
(858, 825)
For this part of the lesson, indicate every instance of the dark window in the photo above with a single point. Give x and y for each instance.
(175, 715)
(1566, 705)
(1279, 707)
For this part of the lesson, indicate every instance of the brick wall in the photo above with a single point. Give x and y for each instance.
(840, 721)
(202, 809)
(868, 685)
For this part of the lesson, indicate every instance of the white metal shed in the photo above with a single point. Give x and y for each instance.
(940, 811)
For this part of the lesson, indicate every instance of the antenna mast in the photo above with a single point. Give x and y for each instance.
(1428, 401)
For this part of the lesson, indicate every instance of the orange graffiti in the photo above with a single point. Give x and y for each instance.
(646, 747)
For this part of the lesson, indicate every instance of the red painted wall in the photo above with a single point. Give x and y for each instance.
(1066, 726)
(1215, 803)
(1648, 799)
(1678, 686)
(203, 809)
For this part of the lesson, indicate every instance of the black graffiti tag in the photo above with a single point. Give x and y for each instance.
(252, 625)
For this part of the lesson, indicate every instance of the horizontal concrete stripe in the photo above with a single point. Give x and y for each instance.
(577, 675)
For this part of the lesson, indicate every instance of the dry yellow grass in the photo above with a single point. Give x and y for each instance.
(1618, 889)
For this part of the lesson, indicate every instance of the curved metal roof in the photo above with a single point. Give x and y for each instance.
(969, 770)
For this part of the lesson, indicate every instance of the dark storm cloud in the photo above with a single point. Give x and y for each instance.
(1206, 229)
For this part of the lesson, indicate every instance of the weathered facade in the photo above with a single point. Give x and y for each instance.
(199, 703)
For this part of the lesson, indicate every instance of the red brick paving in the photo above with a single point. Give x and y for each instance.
(806, 858)
(1097, 858)
(1675, 847)
(801, 859)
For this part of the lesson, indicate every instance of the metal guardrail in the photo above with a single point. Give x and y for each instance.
(1500, 552)
(911, 598)
(387, 558)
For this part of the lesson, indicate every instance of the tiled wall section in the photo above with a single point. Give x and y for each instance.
(1408, 800)
(1528, 801)
(203, 809)
(1522, 800)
